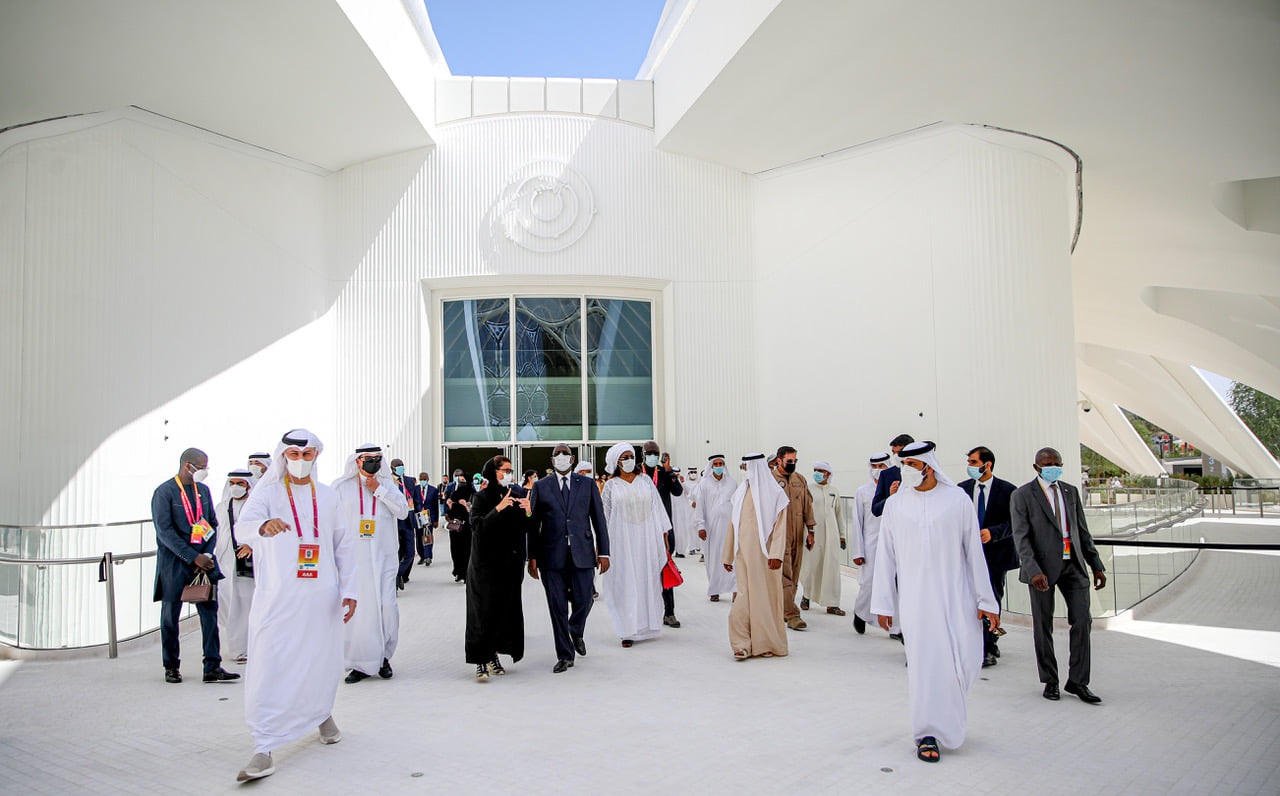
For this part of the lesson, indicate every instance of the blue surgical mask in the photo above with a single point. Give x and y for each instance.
(1050, 474)
(651, 460)
(400, 471)
(974, 472)
(718, 470)
(819, 477)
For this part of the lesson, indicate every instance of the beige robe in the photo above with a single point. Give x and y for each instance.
(755, 621)
(820, 570)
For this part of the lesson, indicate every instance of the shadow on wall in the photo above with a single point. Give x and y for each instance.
(147, 258)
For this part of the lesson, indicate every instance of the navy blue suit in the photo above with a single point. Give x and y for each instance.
(175, 568)
(430, 498)
(565, 538)
(408, 527)
(887, 477)
(1000, 552)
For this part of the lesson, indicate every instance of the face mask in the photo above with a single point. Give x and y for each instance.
(818, 478)
(258, 468)
(299, 468)
(477, 481)
(651, 460)
(561, 462)
(974, 472)
(693, 476)
(199, 475)
(628, 465)
(506, 479)
(719, 471)
(238, 491)
(788, 467)
(372, 465)
(399, 471)
(911, 477)
(875, 475)
(1050, 474)
(460, 479)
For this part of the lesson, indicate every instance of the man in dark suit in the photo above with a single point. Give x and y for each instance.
(657, 468)
(991, 498)
(408, 527)
(430, 497)
(569, 539)
(185, 522)
(891, 477)
(1054, 546)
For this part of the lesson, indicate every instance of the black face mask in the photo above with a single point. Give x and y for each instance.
(788, 467)
(372, 465)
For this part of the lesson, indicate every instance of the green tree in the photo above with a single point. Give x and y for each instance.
(1099, 465)
(1260, 412)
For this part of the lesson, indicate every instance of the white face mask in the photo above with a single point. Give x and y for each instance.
(299, 468)
(238, 491)
(875, 475)
(199, 475)
(651, 459)
(911, 477)
(258, 468)
(561, 462)
(628, 465)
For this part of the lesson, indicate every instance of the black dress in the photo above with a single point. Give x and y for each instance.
(495, 615)
(460, 540)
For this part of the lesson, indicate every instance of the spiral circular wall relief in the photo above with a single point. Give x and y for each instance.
(546, 206)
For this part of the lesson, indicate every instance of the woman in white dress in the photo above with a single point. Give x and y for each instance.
(638, 528)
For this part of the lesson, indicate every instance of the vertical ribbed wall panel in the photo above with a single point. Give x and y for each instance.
(13, 200)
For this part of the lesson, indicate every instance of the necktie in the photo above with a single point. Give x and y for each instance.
(982, 505)
(564, 489)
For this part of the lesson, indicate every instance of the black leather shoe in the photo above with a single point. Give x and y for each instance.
(399, 583)
(859, 625)
(1083, 692)
(561, 665)
(385, 672)
(995, 650)
(220, 676)
(1051, 692)
(670, 621)
(580, 646)
(172, 676)
(356, 676)
(898, 638)
(988, 660)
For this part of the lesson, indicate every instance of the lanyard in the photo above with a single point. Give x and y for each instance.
(407, 496)
(315, 514)
(231, 519)
(198, 514)
(360, 488)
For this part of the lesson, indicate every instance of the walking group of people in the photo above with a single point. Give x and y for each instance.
(298, 557)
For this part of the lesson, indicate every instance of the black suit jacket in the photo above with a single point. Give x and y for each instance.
(430, 497)
(1000, 552)
(175, 555)
(564, 536)
(667, 484)
(887, 477)
(1038, 536)
(414, 499)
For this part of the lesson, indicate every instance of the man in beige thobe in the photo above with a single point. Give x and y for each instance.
(753, 551)
(799, 522)
(820, 572)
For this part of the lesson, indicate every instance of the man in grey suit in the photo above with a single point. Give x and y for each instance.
(1054, 546)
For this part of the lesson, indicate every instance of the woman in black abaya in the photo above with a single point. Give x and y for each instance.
(495, 616)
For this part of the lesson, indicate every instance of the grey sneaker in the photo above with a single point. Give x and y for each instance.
(329, 732)
(260, 766)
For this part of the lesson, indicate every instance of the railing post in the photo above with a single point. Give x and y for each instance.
(108, 575)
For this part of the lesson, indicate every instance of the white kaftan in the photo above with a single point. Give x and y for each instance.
(682, 518)
(632, 587)
(863, 541)
(235, 592)
(930, 557)
(820, 570)
(374, 632)
(295, 624)
(713, 515)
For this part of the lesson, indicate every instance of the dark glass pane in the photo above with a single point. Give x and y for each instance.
(477, 370)
(548, 369)
(619, 369)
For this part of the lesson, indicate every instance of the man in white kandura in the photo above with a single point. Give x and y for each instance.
(305, 576)
(930, 558)
(820, 572)
(863, 537)
(638, 528)
(713, 501)
(258, 464)
(374, 507)
(682, 511)
(235, 590)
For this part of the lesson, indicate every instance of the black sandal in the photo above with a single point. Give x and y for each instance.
(928, 745)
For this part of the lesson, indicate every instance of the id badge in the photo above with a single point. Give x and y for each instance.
(366, 529)
(424, 519)
(1066, 547)
(308, 560)
(200, 531)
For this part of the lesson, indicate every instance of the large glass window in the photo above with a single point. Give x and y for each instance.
(554, 342)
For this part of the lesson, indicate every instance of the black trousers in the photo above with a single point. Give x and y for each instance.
(460, 550)
(565, 586)
(1074, 585)
(407, 547)
(989, 638)
(669, 595)
(169, 643)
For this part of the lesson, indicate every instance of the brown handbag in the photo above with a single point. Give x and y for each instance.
(199, 590)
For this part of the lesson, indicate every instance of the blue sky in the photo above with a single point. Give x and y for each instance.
(562, 38)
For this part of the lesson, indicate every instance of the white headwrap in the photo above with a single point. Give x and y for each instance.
(926, 452)
(584, 468)
(353, 471)
(615, 453)
(242, 475)
(768, 497)
(298, 438)
(262, 458)
(823, 466)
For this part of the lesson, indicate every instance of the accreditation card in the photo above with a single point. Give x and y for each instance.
(308, 560)
(200, 530)
(366, 528)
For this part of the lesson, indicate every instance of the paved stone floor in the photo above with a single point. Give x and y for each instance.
(677, 715)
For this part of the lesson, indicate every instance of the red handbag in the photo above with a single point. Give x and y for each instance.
(671, 576)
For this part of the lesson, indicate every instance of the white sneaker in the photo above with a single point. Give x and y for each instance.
(329, 732)
(260, 766)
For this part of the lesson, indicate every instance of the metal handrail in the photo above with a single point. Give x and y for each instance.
(8, 527)
(46, 562)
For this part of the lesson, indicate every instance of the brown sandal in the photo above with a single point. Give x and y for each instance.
(835, 609)
(739, 655)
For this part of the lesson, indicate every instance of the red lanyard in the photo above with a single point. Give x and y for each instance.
(192, 516)
(407, 496)
(360, 488)
(315, 514)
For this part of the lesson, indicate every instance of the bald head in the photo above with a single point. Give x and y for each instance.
(1048, 457)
